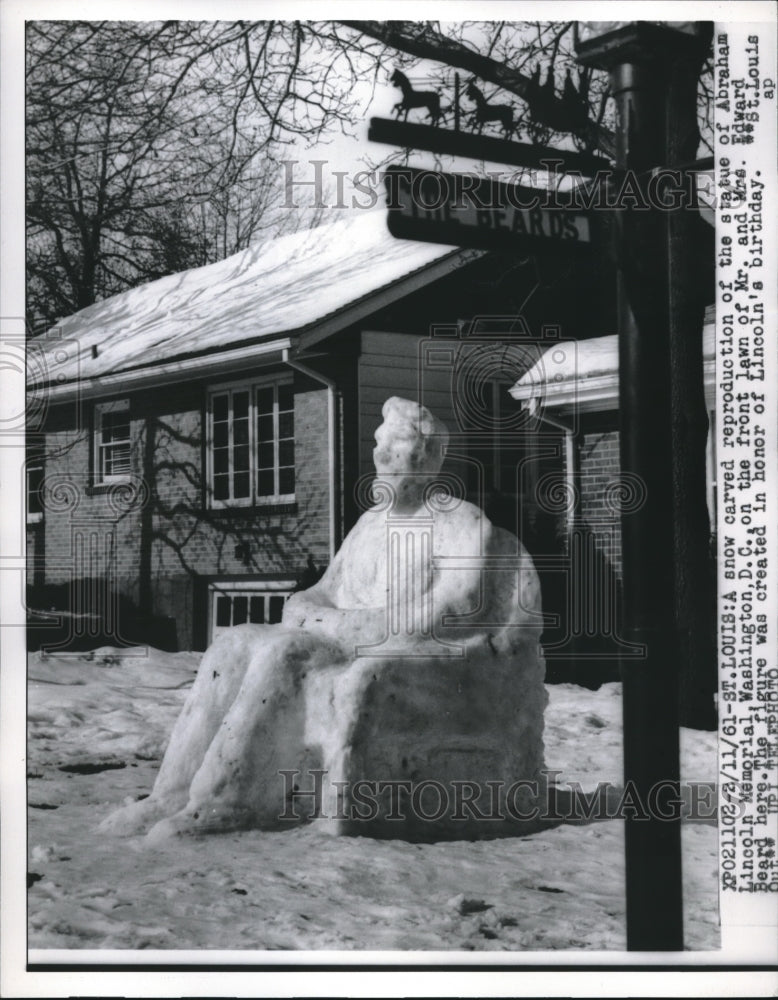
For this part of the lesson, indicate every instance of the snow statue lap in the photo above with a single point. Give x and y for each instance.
(402, 695)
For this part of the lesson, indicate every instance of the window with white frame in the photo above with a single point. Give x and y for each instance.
(33, 489)
(251, 444)
(112, 441)
(255, 602)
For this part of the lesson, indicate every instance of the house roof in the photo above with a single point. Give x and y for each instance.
(281, 286)
(585, 373)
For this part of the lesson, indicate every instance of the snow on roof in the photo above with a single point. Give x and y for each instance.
(571, 363)
(275, 287)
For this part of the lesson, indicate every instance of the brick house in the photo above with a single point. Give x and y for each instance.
(198, 446)
(580, 394)
(574, 388)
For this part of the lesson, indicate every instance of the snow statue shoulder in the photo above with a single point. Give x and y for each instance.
(413, 666)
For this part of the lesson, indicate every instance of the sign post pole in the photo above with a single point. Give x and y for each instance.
(638, 57)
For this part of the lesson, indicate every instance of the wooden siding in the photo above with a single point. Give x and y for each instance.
(390, 366)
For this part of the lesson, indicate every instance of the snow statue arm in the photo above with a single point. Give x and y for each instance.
(322, 610)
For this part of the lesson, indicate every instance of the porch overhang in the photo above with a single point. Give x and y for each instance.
(584, 375)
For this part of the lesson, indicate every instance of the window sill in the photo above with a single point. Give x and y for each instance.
(289, 507)
(277, 507)
(100, 489)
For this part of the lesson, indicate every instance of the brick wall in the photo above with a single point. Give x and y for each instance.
(599, 470)
(159, 543)
(162, 545)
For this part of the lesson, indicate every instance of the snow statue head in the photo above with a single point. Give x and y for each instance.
(410, 447)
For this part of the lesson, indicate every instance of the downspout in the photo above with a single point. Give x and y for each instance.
(331, 442)
(571, 470)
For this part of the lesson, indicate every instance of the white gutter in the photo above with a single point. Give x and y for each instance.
(331, 441)
(173, 371)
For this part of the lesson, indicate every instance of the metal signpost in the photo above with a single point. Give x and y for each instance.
(640, 58)
(413, 135)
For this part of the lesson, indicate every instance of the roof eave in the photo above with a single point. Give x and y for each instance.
(371, 303)
(216, 362)
(595, 392)
(184, 369)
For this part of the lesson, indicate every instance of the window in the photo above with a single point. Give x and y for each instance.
(259, 602)
(112, 441)
(34, 503)
(251, 444)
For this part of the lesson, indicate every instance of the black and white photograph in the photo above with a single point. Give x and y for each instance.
(389, 451)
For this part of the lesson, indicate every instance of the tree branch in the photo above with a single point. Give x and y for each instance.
(424, 42)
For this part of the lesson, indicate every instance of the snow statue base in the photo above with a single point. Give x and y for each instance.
(403, 694)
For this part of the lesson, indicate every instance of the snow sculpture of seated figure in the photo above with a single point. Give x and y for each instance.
(415, 659)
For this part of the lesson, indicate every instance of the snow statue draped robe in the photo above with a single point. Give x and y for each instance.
(410, 671)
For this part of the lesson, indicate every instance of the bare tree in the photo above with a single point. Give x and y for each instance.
(148, 146)
(509, 56)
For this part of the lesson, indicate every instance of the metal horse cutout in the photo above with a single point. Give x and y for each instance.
(567, 113)
(415, 98)
(484, 112)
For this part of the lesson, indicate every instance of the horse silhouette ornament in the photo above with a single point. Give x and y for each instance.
(485, 112)
(568, 113)
(414, 98)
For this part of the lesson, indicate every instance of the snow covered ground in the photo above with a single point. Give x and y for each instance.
(98, 724)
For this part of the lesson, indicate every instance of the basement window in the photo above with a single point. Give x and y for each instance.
(242, 602)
